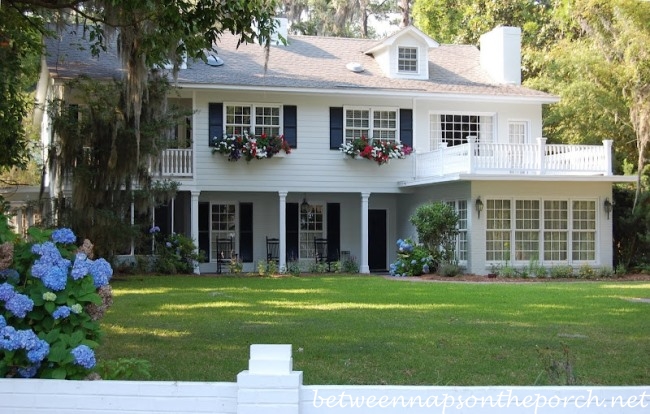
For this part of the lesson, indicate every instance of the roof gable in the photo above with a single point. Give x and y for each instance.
(397, 36)
(405, 54)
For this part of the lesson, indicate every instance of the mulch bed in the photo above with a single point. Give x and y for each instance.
(484, 279)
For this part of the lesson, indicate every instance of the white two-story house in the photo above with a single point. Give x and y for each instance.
(476, 135)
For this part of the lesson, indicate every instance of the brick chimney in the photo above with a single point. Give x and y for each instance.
(501, 54)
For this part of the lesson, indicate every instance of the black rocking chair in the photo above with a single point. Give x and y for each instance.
(273, 250)
(322, 254)
(225, 253)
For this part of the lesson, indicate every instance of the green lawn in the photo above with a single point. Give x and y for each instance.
(371, 330)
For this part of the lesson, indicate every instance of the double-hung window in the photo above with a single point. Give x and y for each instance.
(372, 123)
(407, 59)
(518, 132)
(252, 118)
(460, 248)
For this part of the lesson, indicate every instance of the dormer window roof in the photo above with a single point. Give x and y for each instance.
(404, 54)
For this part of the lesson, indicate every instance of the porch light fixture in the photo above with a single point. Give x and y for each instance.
(607, 205)
(479, 206)
(304, 206)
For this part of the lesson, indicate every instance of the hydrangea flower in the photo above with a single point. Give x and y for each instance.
(55, 278)
(168, 244)
(101, 272)
(19, 305)
(76, 308)
(3, 322)
(154, 230)
(84, 356)
(51, 268)
(49, 296)
(81, 266)
(38, 351)
(6, 291)
(63, 236)
(61, 312)
(9, 274)
(29, 372)
(425, 268)
(8, 340)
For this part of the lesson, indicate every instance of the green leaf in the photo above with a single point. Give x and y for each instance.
(50, 306)
(59, 373)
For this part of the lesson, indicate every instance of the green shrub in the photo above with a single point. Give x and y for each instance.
(449, 269)
(586, 272)
(52, 295)
(175, 253)
(293, 268)
(605, 272)
(561, 271)
(412, 259)
(350, 265)
(436, 225)
(508, 271)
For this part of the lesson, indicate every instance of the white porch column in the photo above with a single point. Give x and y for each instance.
(607, 144)
(282, 220)
(363, 266)
(195, 224)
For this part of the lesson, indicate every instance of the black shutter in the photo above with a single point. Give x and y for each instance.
(291, 125)
(406, 126)
(333, 231)
(204, 229)
(293, 253)
(336, 127)
(246, 232)
(215, 122)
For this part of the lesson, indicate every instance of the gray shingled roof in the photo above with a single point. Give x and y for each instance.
(306, 62)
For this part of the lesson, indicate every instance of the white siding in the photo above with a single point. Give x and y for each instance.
(310, 167)
(541, 190)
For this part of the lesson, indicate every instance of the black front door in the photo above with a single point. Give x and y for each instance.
(377, 240)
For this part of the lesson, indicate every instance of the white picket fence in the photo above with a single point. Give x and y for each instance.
(270, 386)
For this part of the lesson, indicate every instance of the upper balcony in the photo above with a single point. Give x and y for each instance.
(471, 158)
(175, 163)
(515, 159)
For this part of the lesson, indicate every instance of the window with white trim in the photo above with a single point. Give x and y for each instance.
(224, 224)
(460, 207)
(527, 230)
(583, 235)
(448, 130)
(311, 227)
(497, 235)
(407, 59)
(550, 230)
(556, 230)
(372, 123)
(255, 119)
(518, 132)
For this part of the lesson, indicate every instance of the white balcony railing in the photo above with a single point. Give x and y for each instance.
(532, 159)
(176, 163)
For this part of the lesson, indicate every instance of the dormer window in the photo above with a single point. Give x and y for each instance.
(407, 60)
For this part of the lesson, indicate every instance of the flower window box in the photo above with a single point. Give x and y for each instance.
(376, 150)
(250, 147)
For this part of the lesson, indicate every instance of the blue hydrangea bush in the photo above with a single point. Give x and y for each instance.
(412, 259)
(52, 294)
